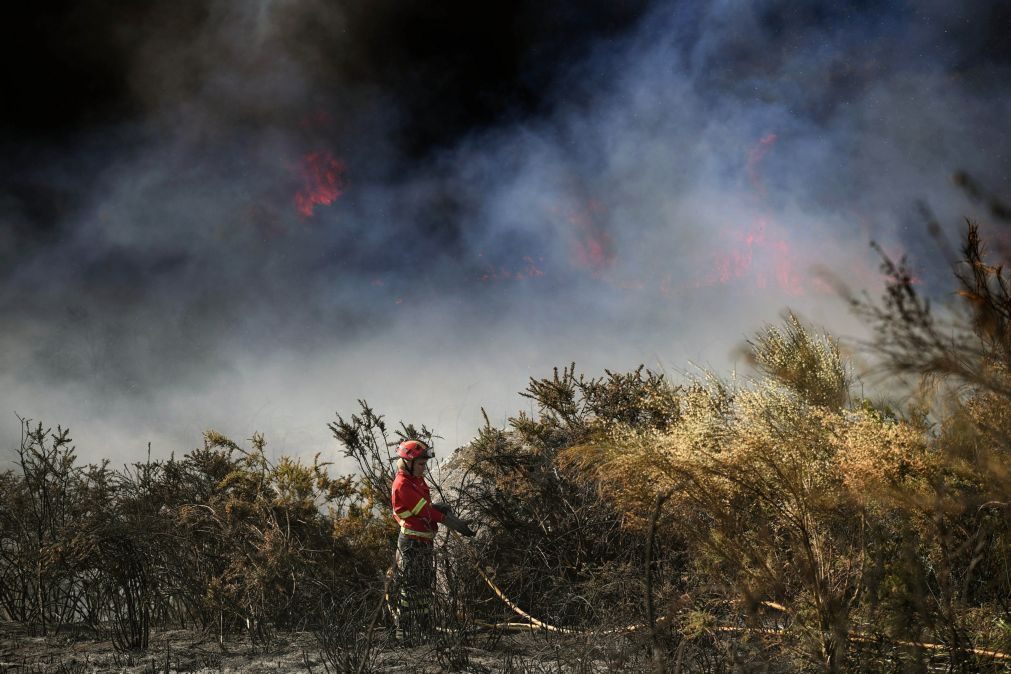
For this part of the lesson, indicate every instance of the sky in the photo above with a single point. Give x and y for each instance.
(247, 216)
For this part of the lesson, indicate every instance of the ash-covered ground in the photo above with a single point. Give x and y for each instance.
(184, 650)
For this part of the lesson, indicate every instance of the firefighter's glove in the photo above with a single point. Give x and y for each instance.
(458, 525)
(443, 508)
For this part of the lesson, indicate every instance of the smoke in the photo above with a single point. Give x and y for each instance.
(653, 191)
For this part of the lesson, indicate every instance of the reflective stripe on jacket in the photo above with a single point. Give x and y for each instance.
(412, 507)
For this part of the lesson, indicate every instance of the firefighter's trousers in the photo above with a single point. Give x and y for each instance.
(415, 585)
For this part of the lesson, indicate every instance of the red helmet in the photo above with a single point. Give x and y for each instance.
(414, 449)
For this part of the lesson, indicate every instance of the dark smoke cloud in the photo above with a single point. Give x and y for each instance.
(521, 187)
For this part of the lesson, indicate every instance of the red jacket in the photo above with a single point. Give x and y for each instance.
(412, 507)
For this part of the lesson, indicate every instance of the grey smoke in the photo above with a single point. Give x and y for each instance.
(186, 293)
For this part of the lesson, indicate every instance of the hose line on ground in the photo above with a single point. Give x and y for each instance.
(536, 624)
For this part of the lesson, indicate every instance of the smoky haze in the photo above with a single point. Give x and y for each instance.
(264, 211)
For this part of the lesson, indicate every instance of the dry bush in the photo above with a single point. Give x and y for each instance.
(960, 504)
(49, 513)
(555, 543)
(854, 519)
(280, 534)
(347, 642)
(753, 478)
(222, 539)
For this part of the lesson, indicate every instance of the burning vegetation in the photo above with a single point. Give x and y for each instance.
(779, 522)
(322, 178)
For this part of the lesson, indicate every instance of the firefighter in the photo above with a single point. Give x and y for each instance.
(419, 520)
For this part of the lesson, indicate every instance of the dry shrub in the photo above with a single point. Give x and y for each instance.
(554, 542)
(222, 538)
(345, 637)
(853, 518)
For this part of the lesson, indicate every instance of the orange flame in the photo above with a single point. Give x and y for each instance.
(594, 252)
(753, 257)
(757, 252)
(592, 248)
(322, 182)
